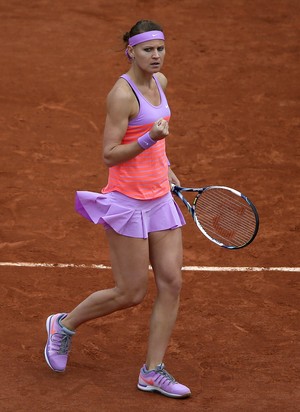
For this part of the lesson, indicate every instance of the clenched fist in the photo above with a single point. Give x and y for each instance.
(160, 130)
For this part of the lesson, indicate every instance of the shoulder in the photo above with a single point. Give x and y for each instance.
(162, 80)
(120, 94)
(120, 90)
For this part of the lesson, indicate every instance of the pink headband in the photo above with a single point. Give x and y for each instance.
(146, 36)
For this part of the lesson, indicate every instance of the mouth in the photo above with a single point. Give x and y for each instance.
(155, 64)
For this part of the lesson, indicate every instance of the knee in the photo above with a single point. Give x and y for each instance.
(132, 297)
(175, 286)
(171, 285)
(136, 297)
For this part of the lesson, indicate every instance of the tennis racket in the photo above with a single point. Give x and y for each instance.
(224, 215)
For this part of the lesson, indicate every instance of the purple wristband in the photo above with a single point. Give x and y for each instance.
(145, 141)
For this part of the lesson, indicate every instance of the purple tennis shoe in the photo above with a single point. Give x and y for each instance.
(58, 343)
(159, 380)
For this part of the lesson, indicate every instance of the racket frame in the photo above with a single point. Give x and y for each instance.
(177, 190)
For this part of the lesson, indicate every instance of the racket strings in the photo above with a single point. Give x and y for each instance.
(229, 218)
(225, 216)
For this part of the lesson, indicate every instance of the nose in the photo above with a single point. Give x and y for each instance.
(155, 53)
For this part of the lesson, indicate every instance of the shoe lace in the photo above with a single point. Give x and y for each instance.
(165, 375)
(61, 342)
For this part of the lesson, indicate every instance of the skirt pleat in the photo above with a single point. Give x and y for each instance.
(127, 216)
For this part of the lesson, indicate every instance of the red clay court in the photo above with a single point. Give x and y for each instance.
(233, 71)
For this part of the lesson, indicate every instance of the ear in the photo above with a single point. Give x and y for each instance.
(130, 52)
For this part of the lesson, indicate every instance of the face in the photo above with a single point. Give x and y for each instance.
(149, 55)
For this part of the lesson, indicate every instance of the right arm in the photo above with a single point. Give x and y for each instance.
(120, 104)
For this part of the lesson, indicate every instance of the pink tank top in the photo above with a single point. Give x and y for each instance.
(146, 175)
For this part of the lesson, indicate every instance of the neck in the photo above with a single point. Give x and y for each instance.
(140, 77)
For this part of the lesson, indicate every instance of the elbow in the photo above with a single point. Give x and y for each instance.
(108, 160)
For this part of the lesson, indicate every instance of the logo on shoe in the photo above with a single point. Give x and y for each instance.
(148, 381)
(53, 329)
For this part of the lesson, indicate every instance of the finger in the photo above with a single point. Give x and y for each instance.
(163, 127)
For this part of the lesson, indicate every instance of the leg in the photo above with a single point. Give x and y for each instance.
(129, 259)
(166, 260)
(130, 271)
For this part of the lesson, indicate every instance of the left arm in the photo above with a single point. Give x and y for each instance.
(172, 177)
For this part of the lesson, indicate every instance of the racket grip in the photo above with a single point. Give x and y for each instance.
(145, 141)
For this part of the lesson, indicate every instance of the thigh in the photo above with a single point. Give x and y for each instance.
(129, 259)
(166, 254)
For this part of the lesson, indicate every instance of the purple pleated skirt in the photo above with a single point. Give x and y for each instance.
(127, 216)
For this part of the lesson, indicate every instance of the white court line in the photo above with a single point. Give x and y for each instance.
(185, 268)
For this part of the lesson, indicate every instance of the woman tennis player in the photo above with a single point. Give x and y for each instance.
(142, 221)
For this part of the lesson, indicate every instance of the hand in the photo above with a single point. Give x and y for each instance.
(173, 178)
(159, 130)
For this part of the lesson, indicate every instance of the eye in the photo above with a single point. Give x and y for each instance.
(150, 49)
